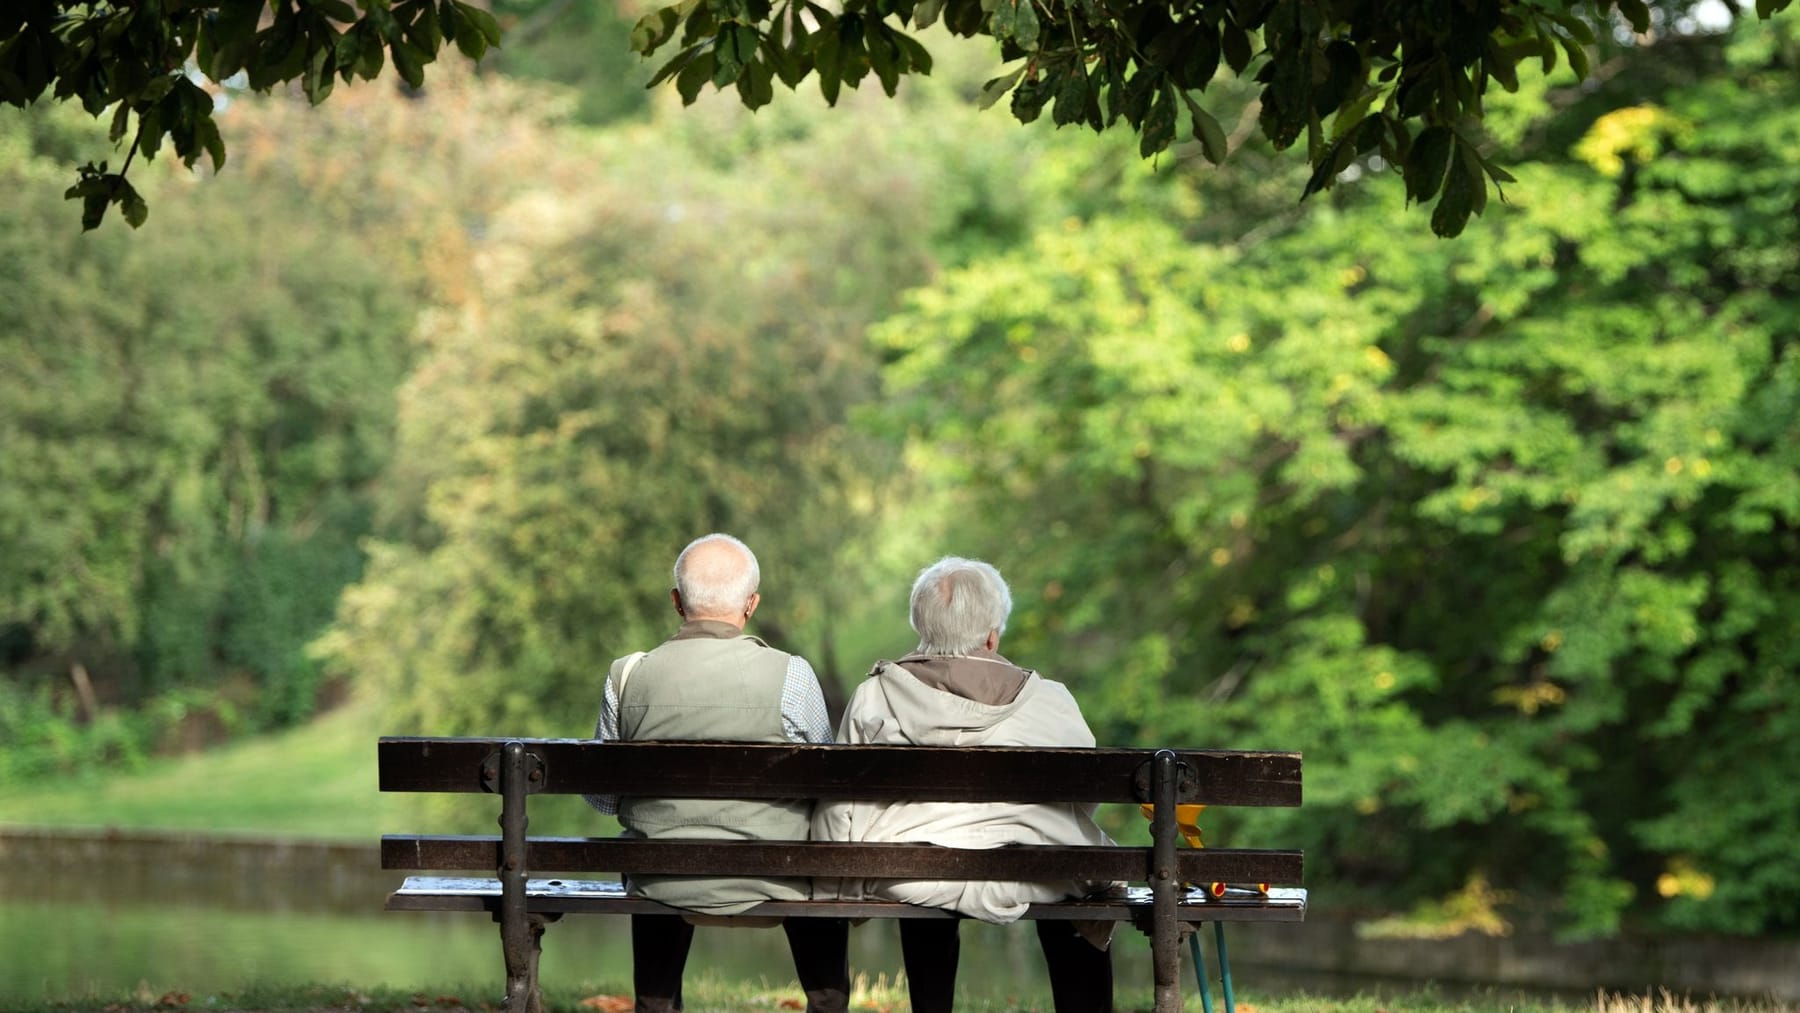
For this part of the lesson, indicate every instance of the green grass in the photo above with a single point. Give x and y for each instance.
(709, 994)
(317, 780)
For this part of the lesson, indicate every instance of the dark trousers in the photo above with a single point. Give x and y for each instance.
(1081, 978)
(659, 952)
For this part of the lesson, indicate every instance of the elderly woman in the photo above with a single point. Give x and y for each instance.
(956, 690)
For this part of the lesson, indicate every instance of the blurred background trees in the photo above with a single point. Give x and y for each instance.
(1502, 530)
(417, 401)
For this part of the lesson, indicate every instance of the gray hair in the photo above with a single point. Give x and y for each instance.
(956, 603)
(716, 586)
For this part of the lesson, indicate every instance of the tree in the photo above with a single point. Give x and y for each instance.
(1399, 80)
(575, 44)
(159, 66)
(631, 373)
(188, 463)
(183, 475)
(1500, 536)
(1402, 81)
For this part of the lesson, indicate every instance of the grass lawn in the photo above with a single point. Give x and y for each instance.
(317, 780)
(704, 994)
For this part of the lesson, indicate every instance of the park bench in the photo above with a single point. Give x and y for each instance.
(523, 897)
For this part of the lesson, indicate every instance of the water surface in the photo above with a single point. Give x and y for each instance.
(101, 915)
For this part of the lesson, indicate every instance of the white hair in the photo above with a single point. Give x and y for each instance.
(717, 587)
(956, 603)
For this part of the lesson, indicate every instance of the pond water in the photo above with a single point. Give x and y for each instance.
(105, 914)
(94, 950)
(98, 916)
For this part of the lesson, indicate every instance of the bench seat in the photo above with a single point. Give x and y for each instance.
(594, 896)
(835, 860)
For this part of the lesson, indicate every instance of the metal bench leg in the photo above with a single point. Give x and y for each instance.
(1165, 938)
(521, 934)
(1224, 966)
(1200, 971)
(521, 950)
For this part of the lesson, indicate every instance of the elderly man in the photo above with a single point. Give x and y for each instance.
(956, 690)
(712, 681)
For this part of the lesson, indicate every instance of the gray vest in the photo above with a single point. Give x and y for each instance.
(709, 682)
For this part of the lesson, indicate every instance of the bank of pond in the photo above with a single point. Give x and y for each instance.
(109, 914)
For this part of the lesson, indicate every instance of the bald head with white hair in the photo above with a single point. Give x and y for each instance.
(716, 578)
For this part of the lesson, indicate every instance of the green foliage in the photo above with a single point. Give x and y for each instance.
(1467, 528)
(136, 60)
(187, 458)
(1501, 537)
(577, 45)
(277, 601)
(48, 736)
(1407, 82)
(632, 372)
(43, 737)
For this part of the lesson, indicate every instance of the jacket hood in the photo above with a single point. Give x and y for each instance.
(937, 717)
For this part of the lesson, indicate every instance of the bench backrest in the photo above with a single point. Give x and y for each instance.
(857, 773)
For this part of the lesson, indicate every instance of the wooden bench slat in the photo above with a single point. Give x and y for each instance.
(827, 859)
(865, 773)
(551, 896)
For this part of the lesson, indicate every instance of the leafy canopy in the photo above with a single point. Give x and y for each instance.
(157, 64)
(1396, 79)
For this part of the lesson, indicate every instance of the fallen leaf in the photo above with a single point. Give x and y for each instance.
(173, 999)
(448, 1000)
(608, 1003)
(791, 1004)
